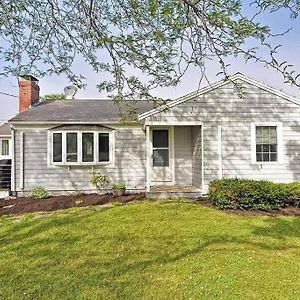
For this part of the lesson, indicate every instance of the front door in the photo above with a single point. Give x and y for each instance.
(161, 163)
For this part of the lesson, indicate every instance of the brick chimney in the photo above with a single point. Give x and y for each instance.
(29, 92)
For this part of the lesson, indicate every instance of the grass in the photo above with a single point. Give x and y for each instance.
(149, 250)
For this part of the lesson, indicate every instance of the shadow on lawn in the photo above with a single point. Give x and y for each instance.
(25, 235)
(279, 228)
(274, 234)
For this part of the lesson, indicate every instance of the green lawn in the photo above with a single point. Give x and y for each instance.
(150, 250)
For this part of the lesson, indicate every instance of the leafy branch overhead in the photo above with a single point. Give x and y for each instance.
(141, 44)
(49, 97)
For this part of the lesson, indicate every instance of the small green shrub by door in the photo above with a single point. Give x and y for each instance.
(39, 192)
(253, 194)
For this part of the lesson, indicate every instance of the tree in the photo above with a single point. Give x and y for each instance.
(53, 97)
(142, 44)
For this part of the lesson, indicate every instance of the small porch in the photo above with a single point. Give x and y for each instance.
(174, 192)
(174, 160)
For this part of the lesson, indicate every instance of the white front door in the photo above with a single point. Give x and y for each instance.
(160, 158)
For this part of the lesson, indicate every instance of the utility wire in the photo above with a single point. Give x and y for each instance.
(3, 93)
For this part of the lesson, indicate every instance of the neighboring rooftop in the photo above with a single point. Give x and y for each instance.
(78, 110)
(5, 129)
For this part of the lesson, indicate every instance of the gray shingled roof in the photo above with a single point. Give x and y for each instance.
(77, 111)
(5, 129)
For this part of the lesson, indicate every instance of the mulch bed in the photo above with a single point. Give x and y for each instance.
(28, 204)
(286, 211)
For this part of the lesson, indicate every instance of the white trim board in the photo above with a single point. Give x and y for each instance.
(13, 174)
(218, 85)
(220, 153)
(173, 123)
(21, 183)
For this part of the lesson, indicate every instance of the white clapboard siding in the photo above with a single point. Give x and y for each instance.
(130, 162)
(223, 108)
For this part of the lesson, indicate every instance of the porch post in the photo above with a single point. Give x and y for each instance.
(172, 154)
(21, 160)
(148, 156)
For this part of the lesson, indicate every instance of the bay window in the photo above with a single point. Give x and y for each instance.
(81, 147)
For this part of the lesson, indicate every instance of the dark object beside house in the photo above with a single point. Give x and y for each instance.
(5, 173)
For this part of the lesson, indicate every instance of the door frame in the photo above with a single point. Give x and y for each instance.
(148, 125)
(171, 152)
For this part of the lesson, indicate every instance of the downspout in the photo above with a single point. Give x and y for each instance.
(202, 161)
(13, 159)
(148, 154)
(21, 160)
(220, 153)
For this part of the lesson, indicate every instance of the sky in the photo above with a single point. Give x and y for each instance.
(278, 22)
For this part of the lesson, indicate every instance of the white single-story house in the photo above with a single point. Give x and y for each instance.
(234, 128)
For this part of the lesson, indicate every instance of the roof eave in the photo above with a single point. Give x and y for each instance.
(62, 122)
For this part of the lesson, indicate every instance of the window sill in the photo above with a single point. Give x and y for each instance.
(81, 164)
(5, 157)
(268, 163)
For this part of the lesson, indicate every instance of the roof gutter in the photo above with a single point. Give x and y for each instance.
(62, 122)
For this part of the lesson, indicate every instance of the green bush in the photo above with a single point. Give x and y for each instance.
(294, 193)
(253, 194)
(39, 192)
(119, 185)
(99, 180)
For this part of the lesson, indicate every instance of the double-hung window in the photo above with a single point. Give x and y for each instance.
(81, 147)
(267, 142)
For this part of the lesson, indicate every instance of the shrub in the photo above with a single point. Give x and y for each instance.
(253, 194)
(39, 192)
(294, 193)
(99, 180)
(119, 185)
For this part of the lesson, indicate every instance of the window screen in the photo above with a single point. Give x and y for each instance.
(57, 147)
(103, 147)
(87, 147)
(71, 147)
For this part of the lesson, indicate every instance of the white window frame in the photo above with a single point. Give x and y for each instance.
(9, 148)
(79, 148)
(279, 129)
